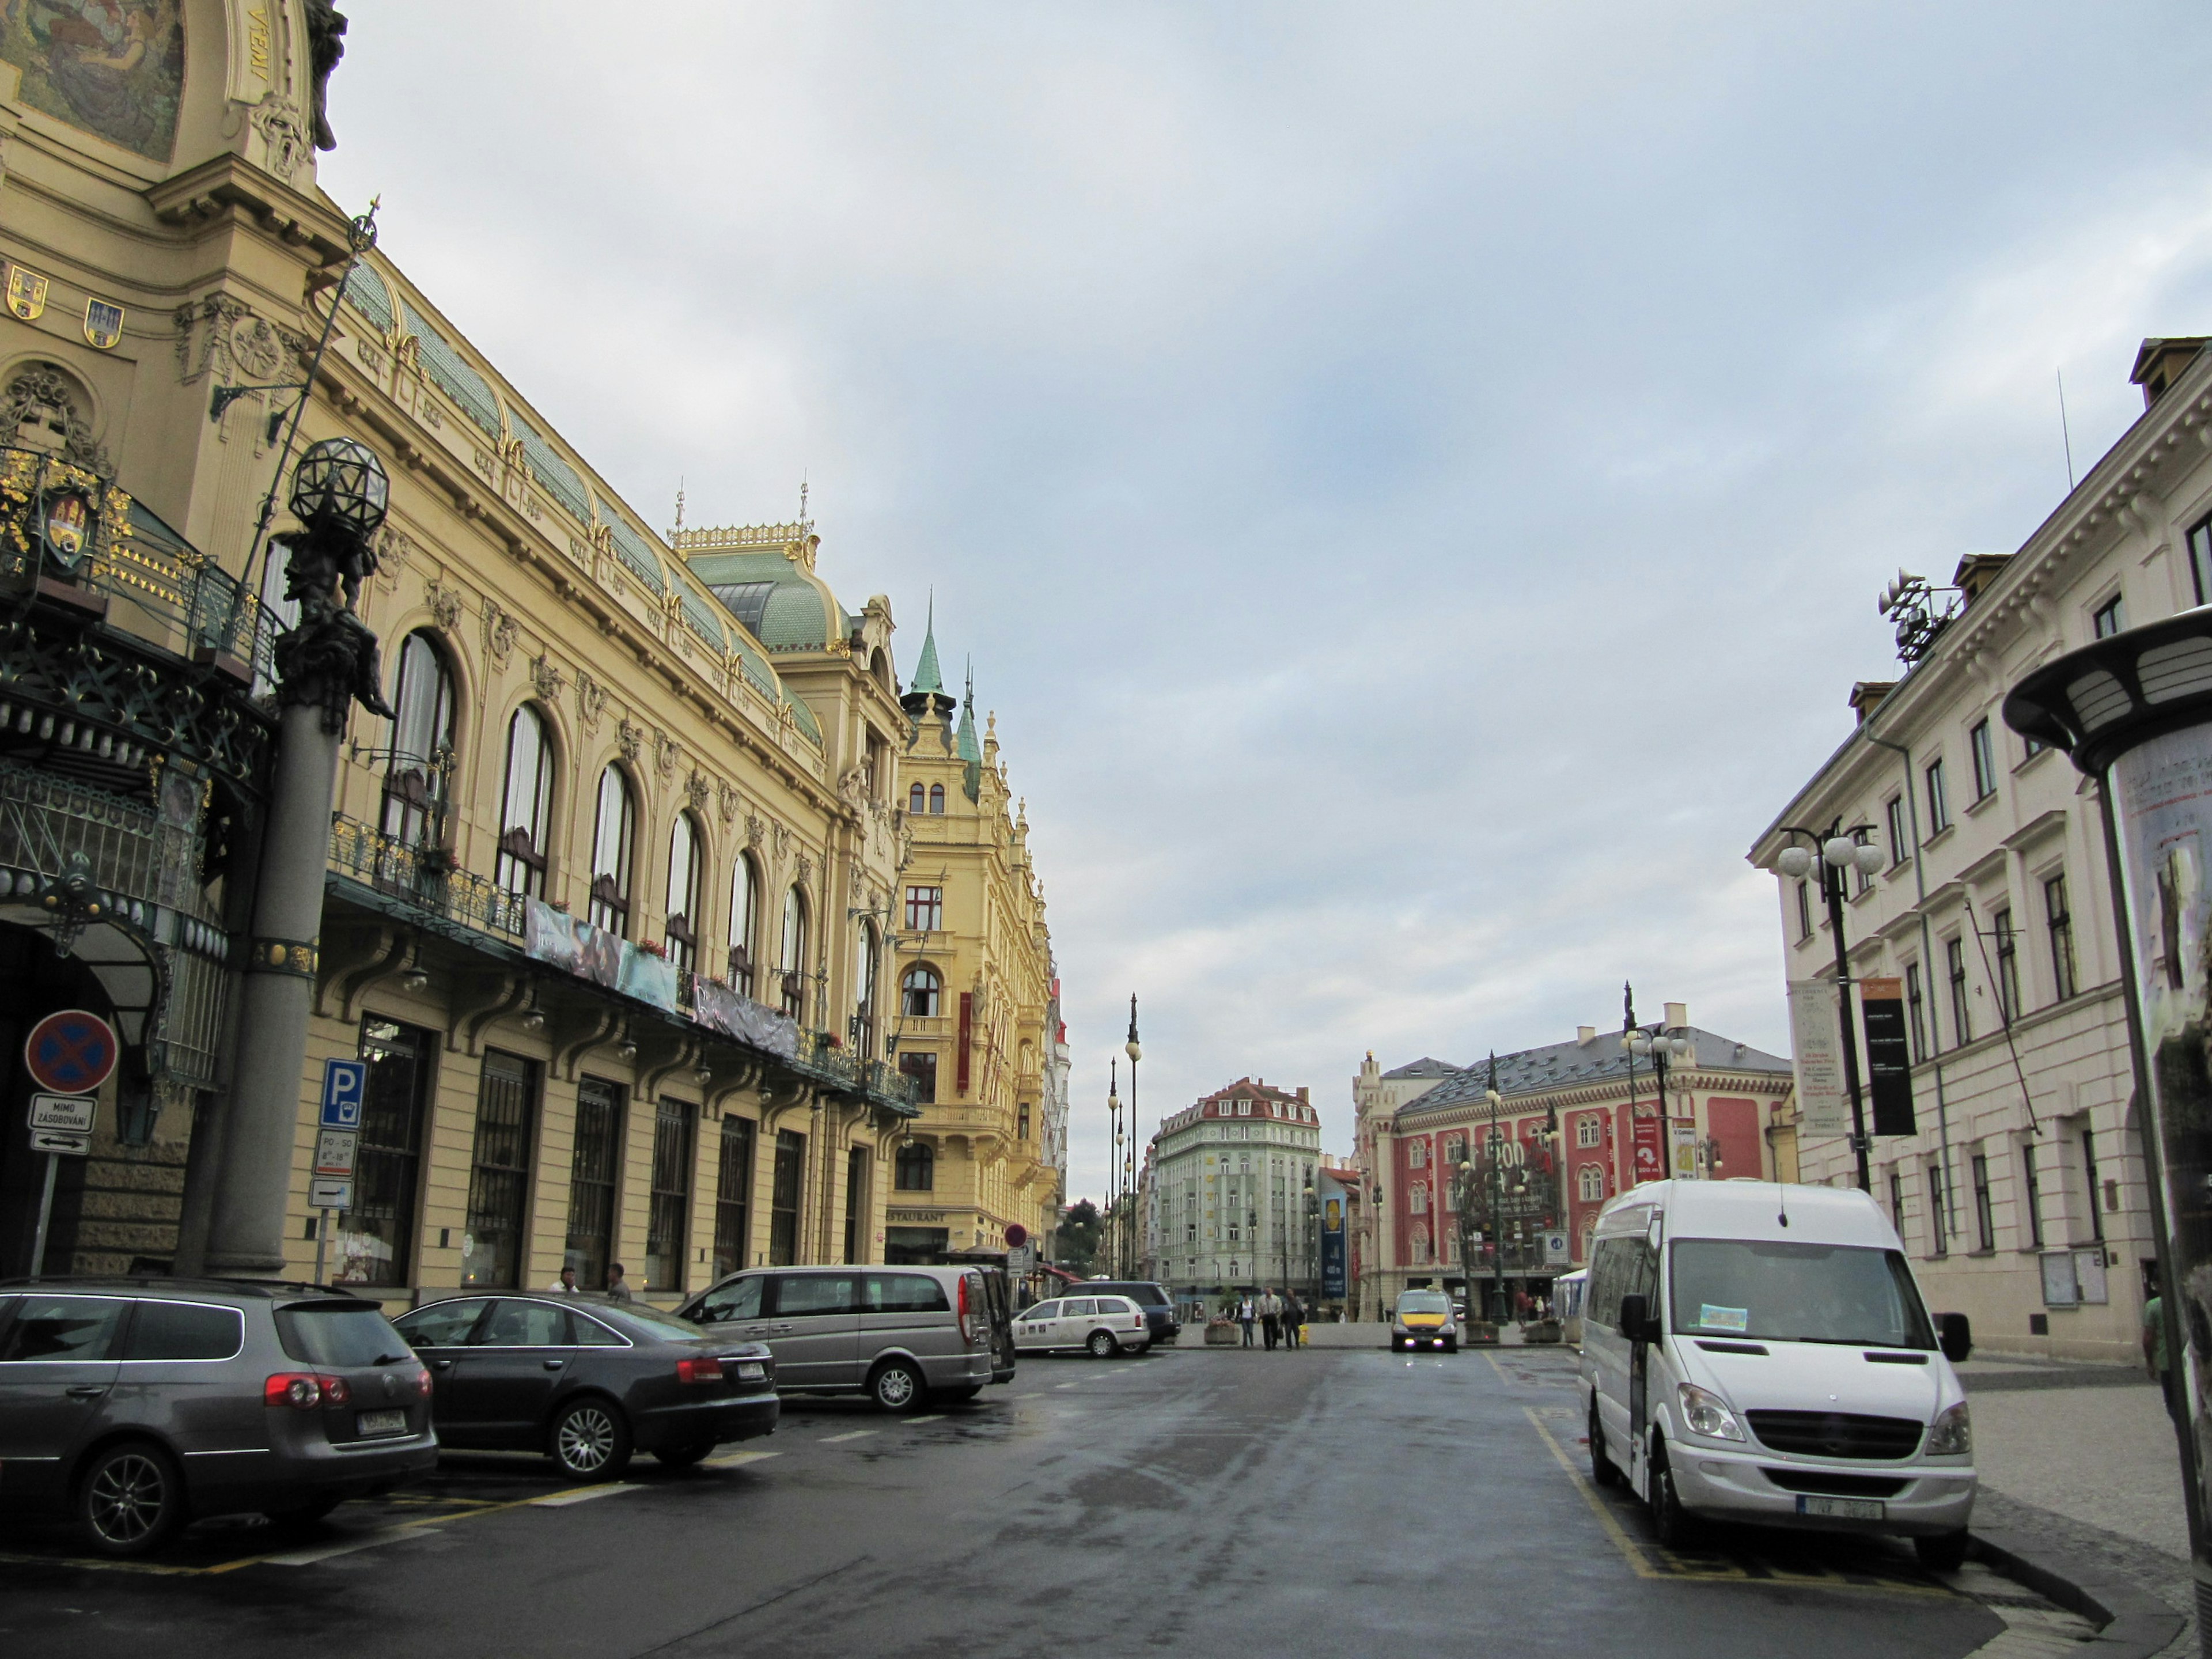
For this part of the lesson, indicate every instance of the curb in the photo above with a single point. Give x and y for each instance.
(2132, 1624)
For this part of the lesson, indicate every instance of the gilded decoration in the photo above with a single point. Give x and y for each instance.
(112, 68)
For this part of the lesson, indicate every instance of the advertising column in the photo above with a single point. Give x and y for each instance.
(2135, 711)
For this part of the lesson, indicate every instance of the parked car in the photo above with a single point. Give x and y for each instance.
(587, 1382)
(1756, 1353)
(1159, 1307)
(900, 1335)
(138, 1405)
(1102, 1325)
(1423, 1318)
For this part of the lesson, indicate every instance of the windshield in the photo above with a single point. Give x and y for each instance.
(338, 1333)
(1424, 1302)
(1797, 1293)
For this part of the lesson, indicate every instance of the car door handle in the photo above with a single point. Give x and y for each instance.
(87, 1391)
(555, 1365)
(441, 1365)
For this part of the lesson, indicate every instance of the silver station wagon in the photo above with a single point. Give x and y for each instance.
(900, 1336)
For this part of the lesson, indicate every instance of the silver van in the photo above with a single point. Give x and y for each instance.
(900, 1335)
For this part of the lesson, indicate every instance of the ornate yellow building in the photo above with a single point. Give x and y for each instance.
(609, 903)
(976, 1029)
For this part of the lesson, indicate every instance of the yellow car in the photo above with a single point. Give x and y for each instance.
(1423, 1319)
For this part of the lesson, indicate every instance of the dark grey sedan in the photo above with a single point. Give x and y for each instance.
(587, 1382)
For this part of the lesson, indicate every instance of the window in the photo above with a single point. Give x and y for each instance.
(594, 1170)
(744, 921)
(925, 909)
(915, 1168)
(63, 1328)
(2200, 560)
(1804, 911)
(937, 798)
(685, 857)
(793, 963)
(2031, 1194)
(499, 1170)
(1022, 1121)
(1590, 1182)
(1899, 836)
(1940, 1242)
(2007, 965)
(1939, 803)
(905, 1293)
(733, 1195)
(1897, 1202)
(525, 806)
(2060, 922)
(922, 1067)
(421, 742)
(1916, 1012)
(1587, 1131)
(921, 992)
(1954, 965)
(1984, 755)
(1417, 1154)
(376, 1241)
(668, 1223)
(611, 835)
(184, 1330)
(2089, 1175)
(914, 802)
(1985, 1228)
(2110, 617)
(863, 1035)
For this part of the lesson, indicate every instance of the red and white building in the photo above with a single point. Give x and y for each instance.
(1727, 1106)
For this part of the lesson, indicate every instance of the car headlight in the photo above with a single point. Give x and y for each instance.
(1951, 1434)
(1705, 1413)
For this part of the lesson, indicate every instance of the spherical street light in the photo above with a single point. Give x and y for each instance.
(339, 484)
(1794, 862)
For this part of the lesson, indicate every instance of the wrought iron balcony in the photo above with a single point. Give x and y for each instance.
(423, 878)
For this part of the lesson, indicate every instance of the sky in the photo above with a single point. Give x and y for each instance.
(1413, 481)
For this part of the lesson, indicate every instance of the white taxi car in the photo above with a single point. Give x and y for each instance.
(1104, 1326)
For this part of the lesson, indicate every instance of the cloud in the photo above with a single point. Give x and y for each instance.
(1414, 483)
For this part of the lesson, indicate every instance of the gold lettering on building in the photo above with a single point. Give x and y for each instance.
(256, 42)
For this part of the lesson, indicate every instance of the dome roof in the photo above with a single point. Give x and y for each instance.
(786, 606)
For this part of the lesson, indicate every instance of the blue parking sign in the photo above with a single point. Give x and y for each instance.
(345, 1082)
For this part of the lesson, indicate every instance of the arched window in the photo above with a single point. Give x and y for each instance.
(921, 990)
(937, 798)
(610, 853)
(864, 996)
(744, 921)
(1417, 1154)
(421, 744)
(916, 1170)
(526, 807)
(1591, 1182)
(686, 854)
(913, 801)
(793, 963)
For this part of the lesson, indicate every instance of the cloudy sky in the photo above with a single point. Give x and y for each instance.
(1413, 481)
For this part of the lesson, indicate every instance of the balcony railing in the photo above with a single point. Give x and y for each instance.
(420, 876)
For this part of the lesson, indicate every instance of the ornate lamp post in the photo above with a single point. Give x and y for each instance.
(323, 665)
(1110, 1235)
(1840, 849)
(1135, 1053)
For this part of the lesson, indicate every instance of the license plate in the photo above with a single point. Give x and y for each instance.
(369, 1423)
(1843, 1508)
(751, 1370)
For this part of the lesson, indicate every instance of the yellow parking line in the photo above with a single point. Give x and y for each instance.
(1635, 1558)
(739, 1460)
(857, 1434)
(1495, 1366)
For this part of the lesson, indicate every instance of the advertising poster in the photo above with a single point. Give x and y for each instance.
(1682, 1145)
(1816, 1042)
(1889, 1057)
(557, 938)
(1646, 1150)
(1333, 1276)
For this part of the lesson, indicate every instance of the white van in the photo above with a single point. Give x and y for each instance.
(1758, 1352)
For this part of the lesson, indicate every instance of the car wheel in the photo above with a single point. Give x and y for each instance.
(896, 1387)
(591, 1439)
(130, 1499)
(1603, 1473)
(682, 1457)
(1102, 1345)
(1944, 1553)
(1670, 1521)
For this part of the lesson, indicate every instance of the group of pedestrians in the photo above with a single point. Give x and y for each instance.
(1280, 1318)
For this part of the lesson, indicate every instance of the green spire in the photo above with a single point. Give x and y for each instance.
(926, 675)
(971, 775)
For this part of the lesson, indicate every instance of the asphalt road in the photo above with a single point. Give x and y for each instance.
(1214, 1503)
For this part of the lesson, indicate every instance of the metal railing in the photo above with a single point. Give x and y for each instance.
(422, 876)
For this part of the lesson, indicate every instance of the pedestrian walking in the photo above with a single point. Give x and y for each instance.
(1246, 1313)
(566, 1285)
(617, 1288)
(1271, 1317)
(1294, 1317)
(2154, 1344)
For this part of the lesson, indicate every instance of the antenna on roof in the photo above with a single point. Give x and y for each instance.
(2064, 431)
(679, 500)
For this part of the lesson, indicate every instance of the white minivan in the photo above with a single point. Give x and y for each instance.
(1758, 1352)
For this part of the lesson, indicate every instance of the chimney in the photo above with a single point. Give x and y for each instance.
(1867, 695)
(1586, 1034)
(1304, 1100)
(2161, 362)
(1678, 1013)
(1975, 572)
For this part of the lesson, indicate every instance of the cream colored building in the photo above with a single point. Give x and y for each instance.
(1223, 1194)
(2021, 1192)
(977, 1027)
(609, 905)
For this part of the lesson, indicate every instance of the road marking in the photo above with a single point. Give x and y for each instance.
(1634, 1557)
(857, 1434)
(1076, 1384)
(934, 1417)
(584, 1494)
(1500, 1368)
(307, 1557)
(739, 1460)
(14, 1558)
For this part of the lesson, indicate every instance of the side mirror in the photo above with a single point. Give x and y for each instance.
(1954, 1336)
(1635, 1318)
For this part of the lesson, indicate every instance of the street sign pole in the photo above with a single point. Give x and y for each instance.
(322, 1237)
(45, 1213)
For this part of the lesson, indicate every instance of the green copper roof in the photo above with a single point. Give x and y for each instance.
(786, 608)
(927, 676)
(557, 478)
(451, 371)
(366, 293)
(630, 548)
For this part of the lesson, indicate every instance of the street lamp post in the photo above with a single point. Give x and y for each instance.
(1496, 1193)
(1135, 1053)
(1839, 850)
(1109, 1235)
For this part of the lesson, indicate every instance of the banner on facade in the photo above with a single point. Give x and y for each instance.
(1889, 1057)
(1335, 1277)
(559, 940)
(1816, 1042)
(1647, 1150)
(735, 1014)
